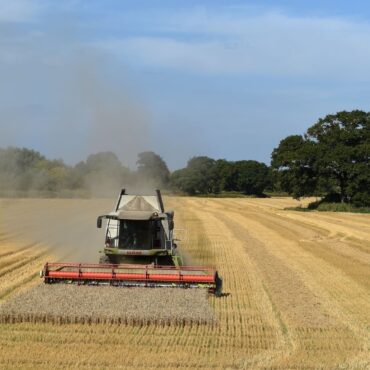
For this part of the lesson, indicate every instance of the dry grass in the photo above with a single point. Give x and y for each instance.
(298, 283)
(87, 305)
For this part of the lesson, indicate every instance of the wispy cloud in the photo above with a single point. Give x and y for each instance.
(269, 44)
(18, 11)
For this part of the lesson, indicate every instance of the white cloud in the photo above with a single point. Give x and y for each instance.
(17, 11)
(269, 44)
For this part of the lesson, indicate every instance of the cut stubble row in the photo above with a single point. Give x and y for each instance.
(62, 304)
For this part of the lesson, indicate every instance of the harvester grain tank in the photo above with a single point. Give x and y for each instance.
(139, 250)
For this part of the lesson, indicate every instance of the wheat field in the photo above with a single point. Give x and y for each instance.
(297, 284)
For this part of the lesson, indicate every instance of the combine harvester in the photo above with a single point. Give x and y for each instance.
(139, 252)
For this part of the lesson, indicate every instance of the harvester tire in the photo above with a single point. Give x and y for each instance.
(103, 260)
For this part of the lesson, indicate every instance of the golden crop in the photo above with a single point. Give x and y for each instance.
(297, 283)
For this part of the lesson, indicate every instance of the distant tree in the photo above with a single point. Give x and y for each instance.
(18, 159)
(26, 170)
(153, 168)
(103, 173)
(76, 178)
(227, 174)
(252, 177)
(185, 181)
(103, 162)
(199, 177)
(332, 159)
(204, 171)
(50, 176)
(343, 153)
(293, 162)
(18, 168)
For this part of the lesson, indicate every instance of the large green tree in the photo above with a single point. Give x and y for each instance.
(332, 159)
(294, 165)
(199, 177)
(101, 174)
(24, 169)
(227, 175)
(252, 177)
(153, 168)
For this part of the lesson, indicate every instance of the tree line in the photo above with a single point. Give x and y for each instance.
(204, 175)
(331, 160)
(24, 171)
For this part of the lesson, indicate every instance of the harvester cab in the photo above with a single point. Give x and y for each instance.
(139, 230)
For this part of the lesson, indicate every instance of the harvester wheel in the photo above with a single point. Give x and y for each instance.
(218, 291)
(165, 261)
(104, 260)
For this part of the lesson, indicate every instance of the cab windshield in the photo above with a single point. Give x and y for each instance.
(135, 234)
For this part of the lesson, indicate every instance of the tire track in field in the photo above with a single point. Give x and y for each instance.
(354, 262)
(16, 256)
(351, 226)
(16, 265)
(283, 245)
(20, 276)
(283, 282)
(344, 255)
(281, 240)
(335, 228)
(347, 300)
(11, 250)
(235, 271)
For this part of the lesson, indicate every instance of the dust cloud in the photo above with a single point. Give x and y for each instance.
(67, 228)
(113, 117)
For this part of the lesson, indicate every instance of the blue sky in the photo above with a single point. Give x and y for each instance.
(227, 79)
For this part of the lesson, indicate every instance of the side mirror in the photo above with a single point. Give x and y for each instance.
(99, 222)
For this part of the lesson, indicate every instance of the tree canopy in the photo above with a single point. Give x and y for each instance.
(252, 177)
(22, 169)
(151, 167)
(332, 159)
(199, 177)
(204, 175)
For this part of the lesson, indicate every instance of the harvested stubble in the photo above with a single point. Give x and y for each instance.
(298, 283)
(62, 304)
